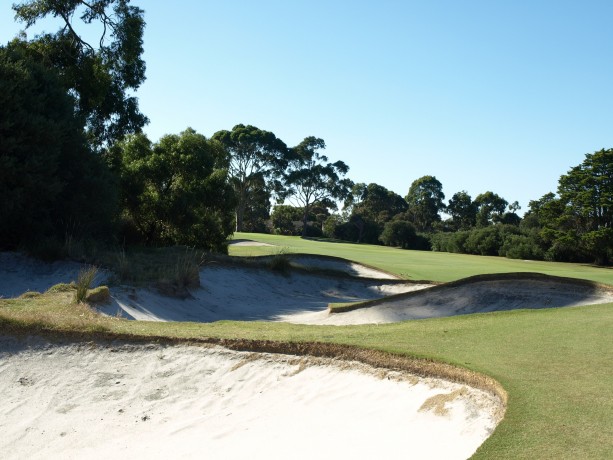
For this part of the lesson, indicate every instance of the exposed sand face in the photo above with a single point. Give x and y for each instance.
(19, 274)
(104, 401)
(247, 294)
(345, 266)
(476, 297)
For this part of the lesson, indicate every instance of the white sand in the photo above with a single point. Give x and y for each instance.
(246, 294)
(477, 297)
(124, 401)
(247, 243)
(19, 274)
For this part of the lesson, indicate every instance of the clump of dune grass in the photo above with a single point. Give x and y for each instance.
(84, 281)
(280, 262)
(177, 277)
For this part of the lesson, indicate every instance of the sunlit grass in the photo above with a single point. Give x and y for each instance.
(418, 265)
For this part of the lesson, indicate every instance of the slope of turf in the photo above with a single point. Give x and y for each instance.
(554, 363)
(417, 265)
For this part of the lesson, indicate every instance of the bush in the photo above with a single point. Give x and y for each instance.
(399, 233)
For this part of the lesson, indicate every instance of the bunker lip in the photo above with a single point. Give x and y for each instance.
(161, 396)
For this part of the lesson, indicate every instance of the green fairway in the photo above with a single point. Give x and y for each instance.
(417, 265)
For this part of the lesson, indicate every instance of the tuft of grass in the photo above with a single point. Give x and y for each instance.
(84, 281)
(62, 287)
(101, 294)
(177, 278)
(29, 295)
(280, 262)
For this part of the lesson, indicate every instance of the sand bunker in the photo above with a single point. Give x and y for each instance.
(247, 294)
(118, 400)
(247, 243)
(528, 292)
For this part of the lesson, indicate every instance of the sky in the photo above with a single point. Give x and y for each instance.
(492, 95)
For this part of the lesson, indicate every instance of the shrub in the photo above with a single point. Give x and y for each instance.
(399, 233)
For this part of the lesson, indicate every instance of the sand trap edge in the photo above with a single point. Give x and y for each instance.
(527, 276)
(420, 367)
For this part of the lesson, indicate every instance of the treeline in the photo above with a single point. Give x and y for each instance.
(76, 167)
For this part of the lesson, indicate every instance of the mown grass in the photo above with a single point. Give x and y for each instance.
(417, 265)
(554, 363)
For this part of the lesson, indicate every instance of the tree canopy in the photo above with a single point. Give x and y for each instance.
(310, 179)
(425, 202)
(174, 192)
(254, 155)
(51, 184)
(463, 210)
(100, 75)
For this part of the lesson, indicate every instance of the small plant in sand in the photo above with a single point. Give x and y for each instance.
(175, 279)
(280, 262)
(84, 281)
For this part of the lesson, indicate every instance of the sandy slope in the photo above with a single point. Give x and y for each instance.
(127, 401)
(472, 297)
(248, 294)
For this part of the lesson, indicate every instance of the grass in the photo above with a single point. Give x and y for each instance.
(84, 282)
(418, 265)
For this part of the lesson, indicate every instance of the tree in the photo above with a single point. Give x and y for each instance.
(101, 76)
(257, 206)
(52, 186)
(373, 205)
(463, 210)
(398, 233)
(490, 208)
(174, 191)
(254, 156)
(311, 180)
(587, 193)
(425, 201)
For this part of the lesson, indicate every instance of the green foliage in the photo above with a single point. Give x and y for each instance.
(283, 217)
(174, 192)
(490, 208)
(311, 180)
(84, 282)
(425, 201)
(257, 206)
(51, 185)
(101, 74)
(254, 156)
(463, 211)
(399, 233)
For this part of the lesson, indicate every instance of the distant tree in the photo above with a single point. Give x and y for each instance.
(425, 202)
(490, 208)
(587, 194)
(463, 211)
(52, 185)
(398, 233)
(255, 155)
(511, 217)
(373, 205)
(174, 191)
(257, 206)
(101, 75)
(311, 180)
(283, 217)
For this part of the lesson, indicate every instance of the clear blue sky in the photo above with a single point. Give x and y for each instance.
(485, 95)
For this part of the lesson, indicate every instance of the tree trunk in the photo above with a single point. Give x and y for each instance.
(304, 221)
(240, 209)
